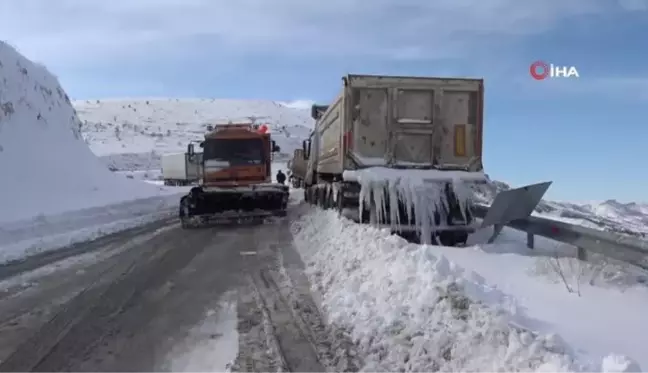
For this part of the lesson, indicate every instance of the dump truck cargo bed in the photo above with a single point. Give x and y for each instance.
(398, 152)
(402, 122)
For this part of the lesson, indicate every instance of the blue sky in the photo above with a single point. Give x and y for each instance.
(588, 135)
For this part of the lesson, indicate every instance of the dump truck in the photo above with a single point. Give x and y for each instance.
(397, 152)
(179, 170)
(297, 167)
(236, 183)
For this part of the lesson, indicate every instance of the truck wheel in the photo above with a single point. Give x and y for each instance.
(184, 213)
(339, 202)
(330, 200)
(452, 238)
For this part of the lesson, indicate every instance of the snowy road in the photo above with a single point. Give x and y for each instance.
(163, 298)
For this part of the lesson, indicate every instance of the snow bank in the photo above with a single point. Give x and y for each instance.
(54, 191)
(422, 191)
(46, 166)
(409, 308)
(45, 233)
(593, 307)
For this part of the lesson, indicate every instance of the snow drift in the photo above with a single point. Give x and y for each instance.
(409, 308)
(46, 166)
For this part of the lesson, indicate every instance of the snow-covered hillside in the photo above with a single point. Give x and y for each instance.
(132, 134)
(47, 168)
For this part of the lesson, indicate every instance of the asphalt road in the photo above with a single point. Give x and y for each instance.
(125, 302)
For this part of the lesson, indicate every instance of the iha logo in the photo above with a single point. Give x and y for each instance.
(541, 70)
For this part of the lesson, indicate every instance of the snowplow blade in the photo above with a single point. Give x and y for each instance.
(233, 205)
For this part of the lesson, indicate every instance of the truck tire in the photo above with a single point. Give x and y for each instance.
(183, 213)
(452, 238)
(339, 201)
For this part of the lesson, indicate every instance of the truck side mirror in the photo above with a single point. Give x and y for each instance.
(308, 149)
(304, 147)
(275, 147)
(190, 150)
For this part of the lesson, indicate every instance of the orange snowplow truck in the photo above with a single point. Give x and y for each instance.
(236, 179)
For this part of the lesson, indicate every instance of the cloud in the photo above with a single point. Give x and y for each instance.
(73, 31)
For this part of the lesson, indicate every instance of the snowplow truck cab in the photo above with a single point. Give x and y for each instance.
(236, 177)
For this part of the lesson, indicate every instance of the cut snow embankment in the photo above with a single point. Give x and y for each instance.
(408, 307)
(47, 168)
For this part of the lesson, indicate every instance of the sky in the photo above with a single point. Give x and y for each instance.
(589, 135)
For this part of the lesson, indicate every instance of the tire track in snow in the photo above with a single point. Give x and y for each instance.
(32, 262)
(87, 318)
(294, 331)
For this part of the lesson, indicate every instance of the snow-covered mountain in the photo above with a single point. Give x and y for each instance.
(132, 134)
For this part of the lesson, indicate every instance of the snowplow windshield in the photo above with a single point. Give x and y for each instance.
(238, 152)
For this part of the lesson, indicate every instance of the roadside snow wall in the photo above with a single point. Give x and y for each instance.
(408, 308)
(45, 166)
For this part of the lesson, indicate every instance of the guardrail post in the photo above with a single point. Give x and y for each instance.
(497, 229)
(530, 240)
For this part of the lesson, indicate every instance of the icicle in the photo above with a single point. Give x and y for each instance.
(422, 192)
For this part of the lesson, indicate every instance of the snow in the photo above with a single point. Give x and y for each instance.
(212, 345)
(44, 233)
(422, 192)
(433, 308)
(617, 363)
(131, 134)
(26, 280)
(48, 169)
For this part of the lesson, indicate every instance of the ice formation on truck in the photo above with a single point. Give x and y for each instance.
(236, 177)
(400, 152)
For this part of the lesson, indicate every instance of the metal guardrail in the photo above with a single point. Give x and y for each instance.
(510, 207)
